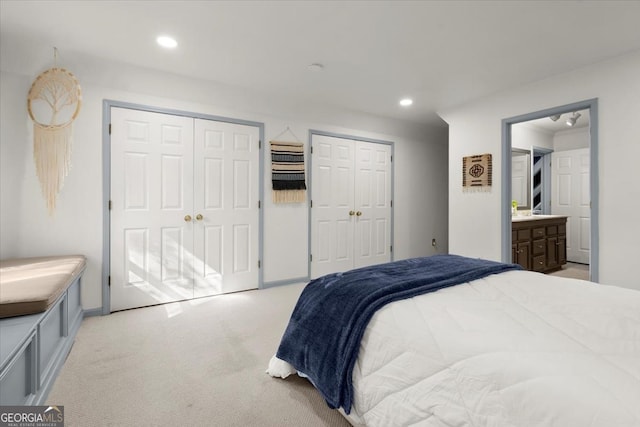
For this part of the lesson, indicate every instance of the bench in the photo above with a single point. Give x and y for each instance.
(40, 314)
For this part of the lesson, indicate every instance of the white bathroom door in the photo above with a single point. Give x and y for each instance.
(372, 244)
(226, 210)
(151, 196)
(571, 196)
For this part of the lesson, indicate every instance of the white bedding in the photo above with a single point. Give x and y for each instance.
(514, 349)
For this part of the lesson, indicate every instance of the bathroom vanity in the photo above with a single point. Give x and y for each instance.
(539, 242)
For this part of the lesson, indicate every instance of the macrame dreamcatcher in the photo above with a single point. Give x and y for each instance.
(53, 102)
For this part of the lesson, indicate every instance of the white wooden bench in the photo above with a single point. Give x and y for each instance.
(40, 312)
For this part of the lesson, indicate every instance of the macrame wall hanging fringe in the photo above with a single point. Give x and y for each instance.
(53, 104)
(52, 156)
(287, 172)
(477, 173)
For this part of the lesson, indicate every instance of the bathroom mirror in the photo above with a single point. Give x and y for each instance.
(521, 178)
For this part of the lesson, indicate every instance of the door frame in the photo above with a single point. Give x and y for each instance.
(592, 106)
(107, 104)
(313, 132)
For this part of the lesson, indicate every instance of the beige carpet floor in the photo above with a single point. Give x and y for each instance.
(573, 270)
(195, 363)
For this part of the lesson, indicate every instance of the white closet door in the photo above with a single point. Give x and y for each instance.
(226, 197)
(373, 204)
(571, 196)
(151, 194)
(351, 212)
(185, 216)
(332, 213)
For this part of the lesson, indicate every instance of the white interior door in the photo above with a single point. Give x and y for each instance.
(184, 208)
(226, 207)
(372, 203)
(151, 194)
(332, 213)
(351, 211)
(571, 196)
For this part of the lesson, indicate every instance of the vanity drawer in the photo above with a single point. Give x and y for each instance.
(524, 234)
(552, 230)
(539, 263)
(538, 232)
(539, 246)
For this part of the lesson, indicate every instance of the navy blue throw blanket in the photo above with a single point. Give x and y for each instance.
(323, 336)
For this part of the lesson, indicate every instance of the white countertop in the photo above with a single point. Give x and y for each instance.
(535, 217)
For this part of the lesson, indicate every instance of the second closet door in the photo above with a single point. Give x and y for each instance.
(351, 211)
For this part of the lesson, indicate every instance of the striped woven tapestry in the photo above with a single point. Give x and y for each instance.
(477, 173)
(287, 172)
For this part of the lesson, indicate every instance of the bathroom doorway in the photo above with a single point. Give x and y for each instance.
(563, 153)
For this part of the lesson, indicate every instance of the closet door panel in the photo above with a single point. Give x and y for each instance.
(151, 192)
(373, 202)
(226, 198)
(332, 197)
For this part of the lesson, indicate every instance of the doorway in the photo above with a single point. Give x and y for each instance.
(586, 231)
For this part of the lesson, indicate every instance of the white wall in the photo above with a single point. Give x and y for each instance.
(476, 128)
(420, 165)
(525, 137)
(571, 139)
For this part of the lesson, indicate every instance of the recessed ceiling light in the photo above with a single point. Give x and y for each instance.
(167, 42)
(406, 102)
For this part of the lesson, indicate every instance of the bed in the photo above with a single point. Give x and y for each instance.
(506, 348)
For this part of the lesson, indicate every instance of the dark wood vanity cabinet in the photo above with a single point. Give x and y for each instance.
(539, 243)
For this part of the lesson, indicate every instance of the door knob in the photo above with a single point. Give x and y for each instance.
(199, 217)
(187, 218)
(358, 213)
(351, 213)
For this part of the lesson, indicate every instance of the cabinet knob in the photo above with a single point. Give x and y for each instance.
(358, 213)
(351, 213)
(199, 217)
(187, 218)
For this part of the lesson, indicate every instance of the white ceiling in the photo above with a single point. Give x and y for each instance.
(549, 126)
(440, 53)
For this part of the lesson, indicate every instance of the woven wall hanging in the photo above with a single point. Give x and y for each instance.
(477, 173)
(53, 103)
(287, 172)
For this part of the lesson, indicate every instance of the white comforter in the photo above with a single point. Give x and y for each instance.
(514, 349)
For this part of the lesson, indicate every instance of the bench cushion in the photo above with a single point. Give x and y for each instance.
(31, 285)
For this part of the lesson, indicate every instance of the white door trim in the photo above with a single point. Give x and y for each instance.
(313, 132)
(107, 104)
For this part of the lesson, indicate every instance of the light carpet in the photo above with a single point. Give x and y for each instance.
(193, 363)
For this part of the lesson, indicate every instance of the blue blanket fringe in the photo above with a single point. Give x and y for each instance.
(323, 335)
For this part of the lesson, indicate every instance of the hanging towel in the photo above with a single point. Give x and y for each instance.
(287, 172)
